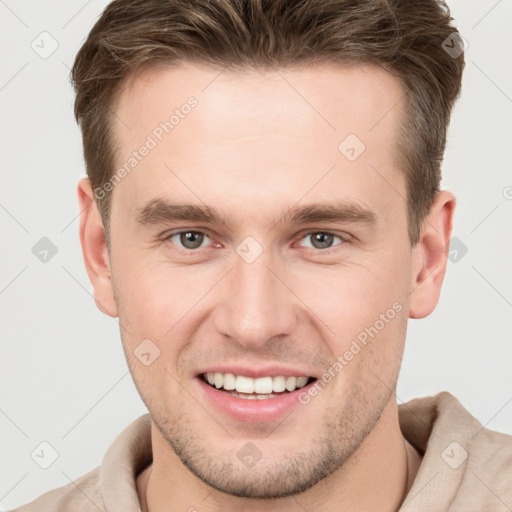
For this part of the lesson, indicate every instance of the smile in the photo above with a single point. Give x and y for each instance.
(260, 388)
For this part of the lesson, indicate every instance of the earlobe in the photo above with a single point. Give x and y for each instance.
(430, 256)
(94, 249)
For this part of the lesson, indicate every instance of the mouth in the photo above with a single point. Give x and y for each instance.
(260, 388)
(251, 393)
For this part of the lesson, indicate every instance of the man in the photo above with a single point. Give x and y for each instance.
(263, 214)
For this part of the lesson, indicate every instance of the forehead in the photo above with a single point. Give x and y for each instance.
(330, 96)
(258, 133)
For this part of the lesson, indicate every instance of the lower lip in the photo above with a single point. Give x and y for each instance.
(247, 410)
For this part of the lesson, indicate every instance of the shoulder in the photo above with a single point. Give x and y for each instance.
(488, 477)
(82, 495)
(467, 464)
(110, 486)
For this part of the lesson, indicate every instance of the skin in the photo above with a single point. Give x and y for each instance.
(253, 148)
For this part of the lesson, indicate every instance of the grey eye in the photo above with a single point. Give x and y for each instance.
(189, 239)
(321, 240)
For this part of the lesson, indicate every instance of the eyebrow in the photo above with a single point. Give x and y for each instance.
(159, 211)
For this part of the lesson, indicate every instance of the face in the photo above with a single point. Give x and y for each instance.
(261, 236)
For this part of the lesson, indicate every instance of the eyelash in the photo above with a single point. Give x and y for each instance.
(344, 239)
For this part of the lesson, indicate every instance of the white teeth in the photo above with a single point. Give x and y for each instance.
(263, 385)
(301, 381)
(291, 383)
(264, 397)
(278, 384)
(252, 396)
(244, 384)
(229, 381)
(259, 388)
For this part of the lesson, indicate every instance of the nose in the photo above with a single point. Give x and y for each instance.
(254, 305)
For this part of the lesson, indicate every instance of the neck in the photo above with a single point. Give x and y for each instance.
(378, 476)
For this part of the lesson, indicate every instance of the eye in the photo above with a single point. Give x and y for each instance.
(188, 239)
(322, 240)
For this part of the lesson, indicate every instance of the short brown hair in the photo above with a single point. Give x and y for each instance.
(409, 38)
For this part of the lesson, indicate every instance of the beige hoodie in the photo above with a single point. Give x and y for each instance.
(465, 467)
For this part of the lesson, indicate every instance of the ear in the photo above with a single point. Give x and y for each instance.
(94, 249)
(430, 256)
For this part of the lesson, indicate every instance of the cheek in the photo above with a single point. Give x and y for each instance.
(368, 353)
(151, 307)
(353, 295)
(366, 312)
(154, 296)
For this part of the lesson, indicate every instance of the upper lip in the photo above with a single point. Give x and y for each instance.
(254, 371)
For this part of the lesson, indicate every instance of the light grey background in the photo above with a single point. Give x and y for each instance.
(64, 378)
